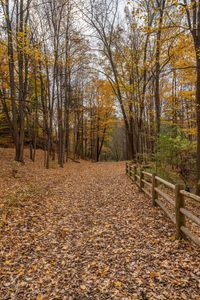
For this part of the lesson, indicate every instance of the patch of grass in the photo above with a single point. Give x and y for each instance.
(53, 164)
(19, 198)
(21, 195)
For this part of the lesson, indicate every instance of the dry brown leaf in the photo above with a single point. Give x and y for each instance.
(83, 287)
(40, 297)
(117, 284)
(154, 275)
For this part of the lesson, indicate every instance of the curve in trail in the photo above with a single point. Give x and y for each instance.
(96, 237)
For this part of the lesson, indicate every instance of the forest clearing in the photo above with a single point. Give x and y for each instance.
(85, 232)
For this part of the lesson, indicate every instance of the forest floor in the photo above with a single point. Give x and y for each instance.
(86, 232)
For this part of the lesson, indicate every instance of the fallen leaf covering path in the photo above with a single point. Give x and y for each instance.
(85, 232)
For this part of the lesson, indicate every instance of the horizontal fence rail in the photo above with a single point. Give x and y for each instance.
(175, 196)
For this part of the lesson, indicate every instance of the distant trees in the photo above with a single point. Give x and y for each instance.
(129, 80)
(191, 11)
(101, 116)
(150, 62)
(16, 18)
(102, 16)
(44, 80)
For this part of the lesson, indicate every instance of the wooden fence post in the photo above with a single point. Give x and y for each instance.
(141, 178)
(154, 193)
(180, 218)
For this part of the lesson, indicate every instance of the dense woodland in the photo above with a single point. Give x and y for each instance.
(103, 80)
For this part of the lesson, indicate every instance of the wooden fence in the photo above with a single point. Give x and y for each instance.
(150, 185)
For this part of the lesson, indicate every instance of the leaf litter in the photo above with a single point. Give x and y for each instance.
(86, 232)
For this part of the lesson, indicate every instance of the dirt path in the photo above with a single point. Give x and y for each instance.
(92, 235)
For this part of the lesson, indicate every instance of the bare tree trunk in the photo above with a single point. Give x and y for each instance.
(161, 7)
(11, 63)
